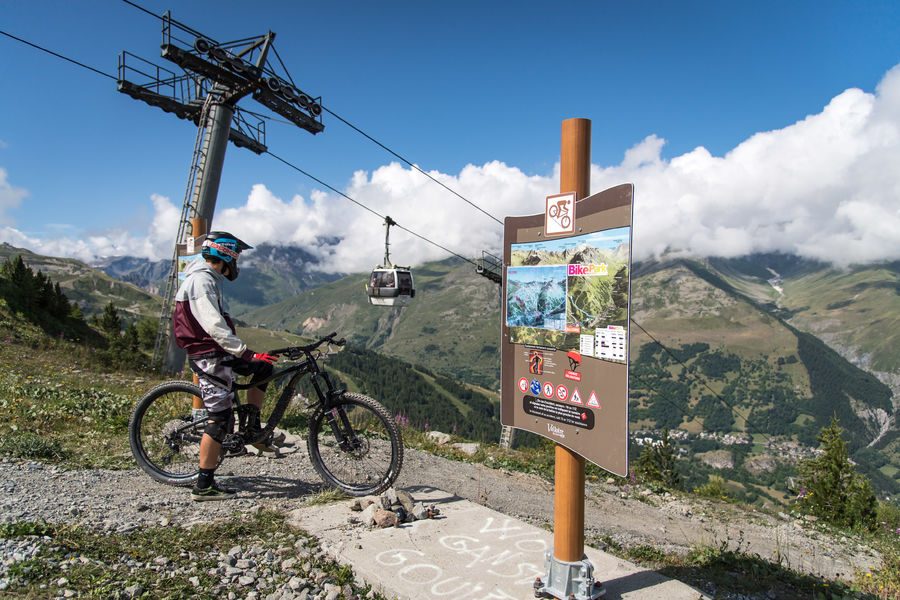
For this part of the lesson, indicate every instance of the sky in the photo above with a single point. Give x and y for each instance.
(752, 127)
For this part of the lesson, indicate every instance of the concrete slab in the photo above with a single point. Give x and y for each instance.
(471, 553)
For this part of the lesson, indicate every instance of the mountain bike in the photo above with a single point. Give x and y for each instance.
(353, 442)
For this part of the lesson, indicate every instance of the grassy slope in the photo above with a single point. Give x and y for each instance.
(858, 309)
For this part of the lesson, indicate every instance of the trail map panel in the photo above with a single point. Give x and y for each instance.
(565, 318)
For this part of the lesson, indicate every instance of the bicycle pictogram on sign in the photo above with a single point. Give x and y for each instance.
(560, 214)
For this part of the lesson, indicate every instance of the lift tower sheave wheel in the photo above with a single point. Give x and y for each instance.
(216, 76)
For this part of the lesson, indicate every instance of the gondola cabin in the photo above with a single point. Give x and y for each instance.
(390, 286)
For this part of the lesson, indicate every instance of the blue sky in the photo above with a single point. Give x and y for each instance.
(446, 84)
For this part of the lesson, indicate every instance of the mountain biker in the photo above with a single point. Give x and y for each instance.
(215, 353)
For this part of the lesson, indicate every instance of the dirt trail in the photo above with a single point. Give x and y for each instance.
(124, 500)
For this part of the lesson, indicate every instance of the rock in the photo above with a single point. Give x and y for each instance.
(438, 437)
(468, 448)
(402, 515)
(610, 481)
(385, 518)
(646, 493)
(134, 591)
(406, 500)
(288, 563)
(332, 591)
(194, 581)
(356, 505)
(295, 583)
(389, 498)
(420, 512)
(246, 580)
(235, 551)
(245, 563)
(368, 515)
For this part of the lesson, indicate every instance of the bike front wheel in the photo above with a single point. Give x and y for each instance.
(165, 440)
(355, 445)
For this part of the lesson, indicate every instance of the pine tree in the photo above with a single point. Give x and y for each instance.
(832, 490)
(109, 321)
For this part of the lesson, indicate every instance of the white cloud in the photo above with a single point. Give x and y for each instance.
(156, 244)
(10, 196)
(826, 187)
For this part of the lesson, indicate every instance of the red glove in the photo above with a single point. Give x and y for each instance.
(249, 355)
(267, 358)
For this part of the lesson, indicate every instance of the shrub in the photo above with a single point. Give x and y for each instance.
(29, 445)
(714, 488)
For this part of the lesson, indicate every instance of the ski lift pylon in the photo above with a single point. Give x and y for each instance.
(389, 284)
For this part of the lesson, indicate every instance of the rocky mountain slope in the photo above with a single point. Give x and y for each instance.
(89, 288)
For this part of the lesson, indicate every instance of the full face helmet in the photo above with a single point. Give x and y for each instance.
(225, 247)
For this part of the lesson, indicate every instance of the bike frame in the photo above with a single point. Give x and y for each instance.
(322, 384)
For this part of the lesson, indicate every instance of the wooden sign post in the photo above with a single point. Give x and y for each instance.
(568, 501)
(564, 356)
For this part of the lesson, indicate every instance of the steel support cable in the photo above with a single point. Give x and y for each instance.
(57, 55)
(410, 163)
(700, 380)
(361, 205)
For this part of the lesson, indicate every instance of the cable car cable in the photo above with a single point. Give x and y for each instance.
(361, 205)
(411, 164)
(57, 55)
(363, 133)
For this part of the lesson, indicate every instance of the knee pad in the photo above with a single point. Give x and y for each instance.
(219, 424)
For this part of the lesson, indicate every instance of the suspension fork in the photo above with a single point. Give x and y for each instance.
(335, 414)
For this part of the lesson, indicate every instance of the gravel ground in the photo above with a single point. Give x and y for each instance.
(121, 501)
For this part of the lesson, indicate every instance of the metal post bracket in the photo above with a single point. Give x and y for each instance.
(567, 580)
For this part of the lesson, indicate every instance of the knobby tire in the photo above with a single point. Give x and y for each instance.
(143, 437)
(374, 463)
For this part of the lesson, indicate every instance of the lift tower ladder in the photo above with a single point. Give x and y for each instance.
(215, 77)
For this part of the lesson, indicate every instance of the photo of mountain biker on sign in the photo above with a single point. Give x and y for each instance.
(215, 353)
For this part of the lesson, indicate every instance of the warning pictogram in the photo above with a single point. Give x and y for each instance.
(576, 397)
(592, 401)
(562, 392)
(548, 389)
(523, 385)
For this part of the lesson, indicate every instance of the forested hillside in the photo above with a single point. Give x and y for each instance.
(417, 396)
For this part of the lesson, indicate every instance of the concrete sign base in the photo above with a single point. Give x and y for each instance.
(469, 553)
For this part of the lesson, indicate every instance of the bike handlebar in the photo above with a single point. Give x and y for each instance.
(297, 351)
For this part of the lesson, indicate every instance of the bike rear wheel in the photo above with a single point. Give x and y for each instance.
(165, 441)
(355, 445)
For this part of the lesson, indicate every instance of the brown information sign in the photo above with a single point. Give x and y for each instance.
(566, 296)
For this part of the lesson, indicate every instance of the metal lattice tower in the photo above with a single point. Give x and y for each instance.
(215, 77)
